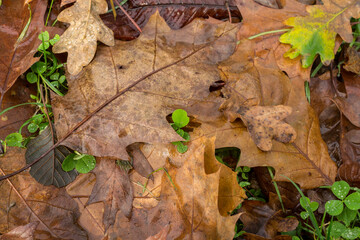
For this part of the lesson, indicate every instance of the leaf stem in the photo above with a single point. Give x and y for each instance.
(269, 32)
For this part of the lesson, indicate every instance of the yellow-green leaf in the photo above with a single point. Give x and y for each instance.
(315, 34)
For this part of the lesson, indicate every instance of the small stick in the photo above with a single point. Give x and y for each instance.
(130, 18)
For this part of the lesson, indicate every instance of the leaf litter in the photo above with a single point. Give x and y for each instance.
(191, 189)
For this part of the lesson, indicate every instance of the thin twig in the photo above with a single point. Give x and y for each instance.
(47, 113)
(82, 122)
(130, 18)
(228, 9)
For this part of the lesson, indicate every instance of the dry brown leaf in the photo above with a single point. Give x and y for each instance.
(257, 72)
(53, 208)
(18, 56)
(352, 63)
(140, 114)
(91, 216)
(86, 28)
(160, 235)
(264, 123)
(114, 189)
(191, 205)
(25, 232)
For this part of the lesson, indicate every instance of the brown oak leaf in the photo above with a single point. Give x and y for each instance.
(86, 28)
(265, 123)
(112, 187)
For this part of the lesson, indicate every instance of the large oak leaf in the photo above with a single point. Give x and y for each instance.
(139, 115)
(114, 189)
(245, 72)
(194, 203)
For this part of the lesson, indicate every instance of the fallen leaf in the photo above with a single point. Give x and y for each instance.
(350, 104)
(12, 120)
(91, 216)
(17, 53)
(322, 93)
(160, 235)
(265, 123)
(48, 171)
(250, 77)
(53, 208)
(191, 205)
(350, 169)
(140, 114)
(265, 219)
(315, 34)
(177, 14)
(352, 63)
(114, 189)
(86, 28)
(25, 232)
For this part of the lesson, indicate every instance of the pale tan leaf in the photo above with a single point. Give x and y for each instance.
(86, 28)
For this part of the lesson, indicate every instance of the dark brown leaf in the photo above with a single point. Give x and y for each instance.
(114, 189)
(11, 121)
(350, 105)
(264, 219)
(17, 57)
(177, 14)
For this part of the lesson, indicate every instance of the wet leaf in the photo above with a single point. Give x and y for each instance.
(86, 28)
(17, 54)
(140, 114)
(11, 121)
(48, 171)
(265, 219)
(176, 13)
(315, 34)
(114, 189)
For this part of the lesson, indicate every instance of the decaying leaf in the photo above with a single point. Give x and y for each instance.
(315, 34)
(160, 235)
(266, 219)
(48, 170)
(352, 63)
(54, 210)
(140, 114)
(350, 104)
(114, 189)
(86, 28)
(25, 232)
(350, 169)
(189, 201)
(17, 52)
(265, 123)
(176, 13)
